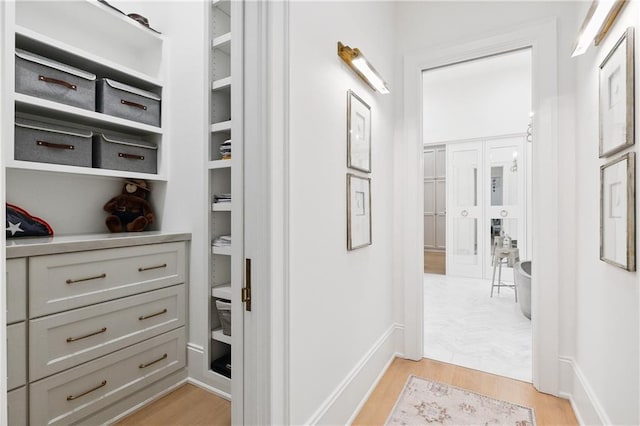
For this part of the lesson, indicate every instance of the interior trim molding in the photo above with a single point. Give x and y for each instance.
(361, 380)
(541, 36)
(208, 388)
(579, 392)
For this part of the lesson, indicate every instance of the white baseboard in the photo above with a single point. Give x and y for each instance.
(347, 399)
(575, 387)
(209, 388)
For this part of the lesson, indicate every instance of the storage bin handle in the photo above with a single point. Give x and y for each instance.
(55, 145)
(56, 81)
(133, 104)
(131, 156)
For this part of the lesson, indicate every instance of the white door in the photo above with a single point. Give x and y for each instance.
(429, 198)
(465, 253)
(503, 187)
(441, 198)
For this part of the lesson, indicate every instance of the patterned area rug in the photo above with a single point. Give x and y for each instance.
(425, 402)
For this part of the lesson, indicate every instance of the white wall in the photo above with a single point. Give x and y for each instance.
(607, 298)
(481, 98)
(340, 301)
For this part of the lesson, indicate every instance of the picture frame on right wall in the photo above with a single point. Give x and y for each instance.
(358, 211)
(358, 133)
(618, 212)
(616, 97)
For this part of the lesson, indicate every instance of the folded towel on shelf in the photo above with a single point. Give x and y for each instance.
(221, 198)
(225, 150)
(222, 241)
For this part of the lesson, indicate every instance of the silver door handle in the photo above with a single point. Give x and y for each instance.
(464, 213)
(504, 213)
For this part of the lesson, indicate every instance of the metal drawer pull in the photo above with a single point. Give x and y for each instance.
(75, 339)
(56, 81)
(133, 104)
(153, 362)
(504, 213)
(72, 397)
(97, 277)
(144, 317)
(55, 145)
(131, 156)
(164, 265)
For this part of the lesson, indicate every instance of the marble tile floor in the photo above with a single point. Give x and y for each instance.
(464, 326)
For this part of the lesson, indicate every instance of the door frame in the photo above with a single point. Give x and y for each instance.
(541, 37)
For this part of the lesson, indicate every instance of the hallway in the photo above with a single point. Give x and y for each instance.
(548, 409)
(466, 327)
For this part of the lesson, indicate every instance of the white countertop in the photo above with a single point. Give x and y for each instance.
(37, 246)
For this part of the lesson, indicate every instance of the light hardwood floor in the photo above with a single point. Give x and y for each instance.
(189, 405)
(549, 410)
(186, 406)
(435, 262)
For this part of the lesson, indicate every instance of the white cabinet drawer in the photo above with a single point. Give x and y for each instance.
(67, 281)
(16, 355)
(16, 290)
(61, 341)
(73, 395)
(17, 407)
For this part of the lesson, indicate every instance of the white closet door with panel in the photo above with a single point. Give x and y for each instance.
(504, 194)
(464, 210)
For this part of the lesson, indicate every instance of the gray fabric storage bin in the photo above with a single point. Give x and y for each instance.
(47, 79)
(116, 153)
(124, 101)
(224, 314)
(52, 143)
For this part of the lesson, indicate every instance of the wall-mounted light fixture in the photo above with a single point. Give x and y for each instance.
(599, 19)
(359, 64)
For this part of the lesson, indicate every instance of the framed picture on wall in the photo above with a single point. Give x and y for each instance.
(617, 97)
(618, 212)
(358, 211)
(358, 133)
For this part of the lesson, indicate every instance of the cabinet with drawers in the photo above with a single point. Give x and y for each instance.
(104, 320)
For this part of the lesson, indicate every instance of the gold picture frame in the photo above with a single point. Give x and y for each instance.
(618, 212)
(616, 97)
(358, 133)
(358, 211)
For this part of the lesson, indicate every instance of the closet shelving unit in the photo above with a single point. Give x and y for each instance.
(224, 175)
(51, 29)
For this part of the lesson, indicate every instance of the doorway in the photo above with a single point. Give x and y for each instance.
(476, 113)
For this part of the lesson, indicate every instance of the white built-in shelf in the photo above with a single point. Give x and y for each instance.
(219, 336)
(223, 251)
(87, 60)
(223, 43)
(223, 5)
(222, 126)
(47, 108)
(218, 164)
(222, 84)
(221, 207)
(61, 168)
(221, 291)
